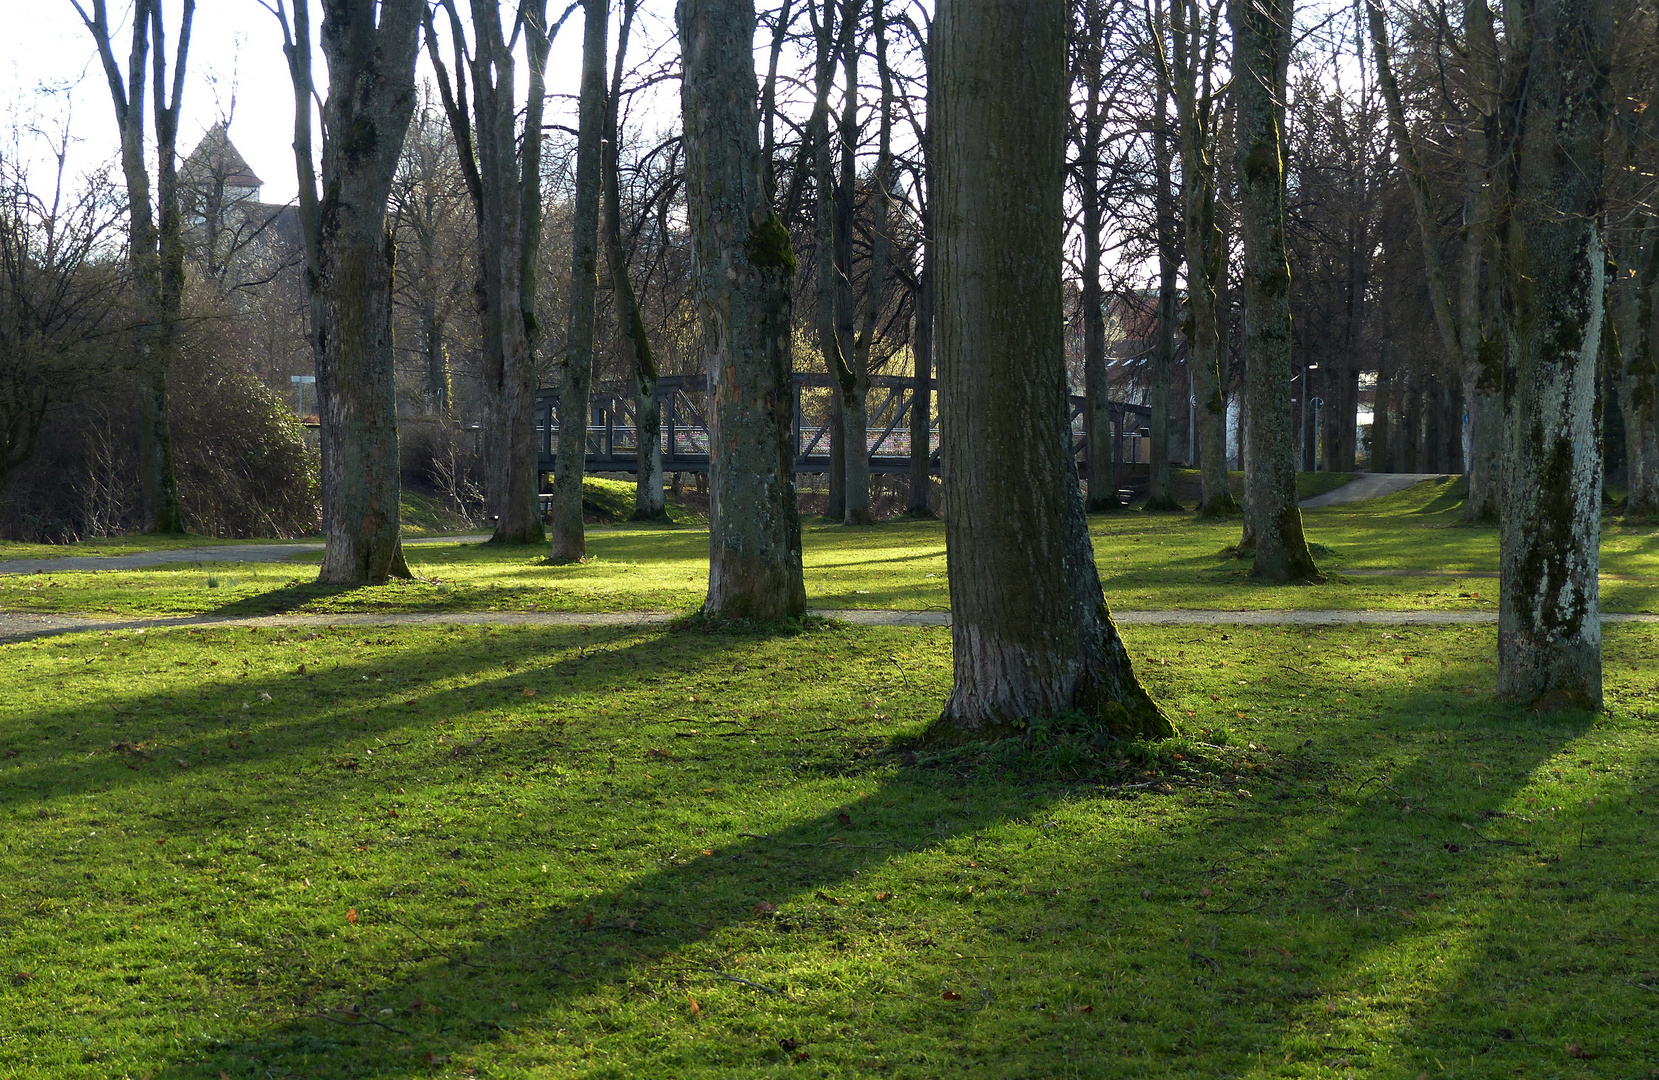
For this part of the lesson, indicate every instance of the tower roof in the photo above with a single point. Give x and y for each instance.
(216, 158)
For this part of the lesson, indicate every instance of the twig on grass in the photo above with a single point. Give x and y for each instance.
(361, 1020)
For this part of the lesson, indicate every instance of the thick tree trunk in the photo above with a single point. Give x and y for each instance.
(1281, 549)
(350, 257)
(569, 539)
(1030, 631)
(744, 266)
(1549, 618)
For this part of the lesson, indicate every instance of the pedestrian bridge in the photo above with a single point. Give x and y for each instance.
(683, 400)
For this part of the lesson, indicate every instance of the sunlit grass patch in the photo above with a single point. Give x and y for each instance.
(530, 852)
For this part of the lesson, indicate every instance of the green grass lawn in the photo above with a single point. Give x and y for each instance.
(1146, 561)
(624, 853)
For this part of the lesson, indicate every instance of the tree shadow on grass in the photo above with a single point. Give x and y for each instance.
(1295, 863)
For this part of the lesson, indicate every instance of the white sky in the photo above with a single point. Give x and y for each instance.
(236, 49)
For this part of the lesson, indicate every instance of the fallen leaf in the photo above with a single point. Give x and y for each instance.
(301, 671)
(263, 696)
(763, 908)
(696, 1009)
(827, 898)
(233, 744)
(181, 763)
(21, 977)
(351, 916)
(1204, 892)
(1577, 1051)
(431, 1060)
(1085, 1008)
(951, 995)
(884, 896)
(844, 818)
(528, 692)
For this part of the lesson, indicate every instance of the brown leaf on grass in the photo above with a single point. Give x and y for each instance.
(351, 916)
(181, 763)
(827, 898)
(1085, 1008)
(233, 744)
(693, 1008)
(844, 818)
(884, 896)
(763, 908)
(951, 995)
(528, 692)
(1577, 1051)
(10, 752)
(21, 977)
(432, 1061)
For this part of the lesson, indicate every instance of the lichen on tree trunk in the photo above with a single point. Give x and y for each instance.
(743, 265)
(1030, 631)
(1554, 111)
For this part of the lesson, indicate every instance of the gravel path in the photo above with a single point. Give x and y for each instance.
(218, 553)
(16, 627)
(1369, 486)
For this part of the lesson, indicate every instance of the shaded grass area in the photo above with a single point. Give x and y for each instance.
(607, 853)
(1146, 561)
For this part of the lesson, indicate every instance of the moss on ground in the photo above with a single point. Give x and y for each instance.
(607, 853)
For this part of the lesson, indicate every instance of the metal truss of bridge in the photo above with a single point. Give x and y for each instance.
(612, 419)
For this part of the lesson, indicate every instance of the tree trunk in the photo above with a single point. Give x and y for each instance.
(1641, 375)
(854, 383)
(1097, 412)
(743, 266)
(1281, 549)
(155, 251)
(569, 539)
(875, 289)
(823, 249)
(518, 507)
(1549, 618)
(349, 268)
(921, 397)
(1381, 428)
(1206, 247)
(1030, 630)
(650, 502)
(1159, 495)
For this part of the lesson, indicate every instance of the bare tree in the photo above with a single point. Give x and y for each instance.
(503, 176)
(744, 266)
(156, 239)
(1261, 39)
(1030, 630)
(370, 50)
(569, 541)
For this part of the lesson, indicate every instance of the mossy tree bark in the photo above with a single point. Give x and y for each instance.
(1260, 41)
(1097, 411)
(569, 539)
(1194, 38)
(650, 501)
(370, 50)
(1030, 631)
(155, 239)
(743, 266)
(1554, 117)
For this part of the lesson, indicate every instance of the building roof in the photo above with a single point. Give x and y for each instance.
(217, 158)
